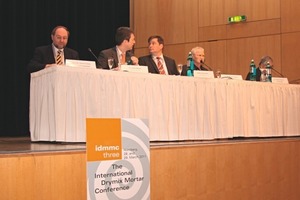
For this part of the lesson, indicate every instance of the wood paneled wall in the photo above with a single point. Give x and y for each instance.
(271, 28)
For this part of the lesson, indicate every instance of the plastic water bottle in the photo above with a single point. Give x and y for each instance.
(269, 72)
(252, 71)
(190, 65)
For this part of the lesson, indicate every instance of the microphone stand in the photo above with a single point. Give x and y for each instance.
(97, 61)
(277, 72)
(210, 69)
(296, 81)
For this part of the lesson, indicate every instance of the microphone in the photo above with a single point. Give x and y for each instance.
(210, 69)
(129, 61)
(97, 61)
(129, 54)
(277, 72)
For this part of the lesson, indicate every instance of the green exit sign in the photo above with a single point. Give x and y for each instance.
(238, 18)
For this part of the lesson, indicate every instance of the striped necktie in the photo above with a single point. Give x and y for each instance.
(59, 58)
(160, 66)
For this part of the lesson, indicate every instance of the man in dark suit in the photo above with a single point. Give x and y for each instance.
(54, 54)
(122, 53)
(198, 57)
(158, 63)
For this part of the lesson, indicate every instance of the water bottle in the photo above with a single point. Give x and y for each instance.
(269, 72)
(190, 65)
(252, 71)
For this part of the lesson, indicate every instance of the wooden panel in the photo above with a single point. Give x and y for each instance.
(217, 12)
(146, 21)
(241, 51)
(215, 54)
(212, 13)
(291, 55)
(179, 52)
(211, 33)
(290, 15)
(172, 19)
(252, 169)
(231, 171)
(60, 176)
(250, 29)
(131, 13)
(255, 10)
(138, 52)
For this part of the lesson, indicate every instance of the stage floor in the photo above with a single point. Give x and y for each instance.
(17, 145)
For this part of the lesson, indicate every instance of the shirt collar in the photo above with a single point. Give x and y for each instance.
(56, 49)
(155, 57)
(119, 52)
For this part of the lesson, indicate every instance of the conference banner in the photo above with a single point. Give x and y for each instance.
(118, 159)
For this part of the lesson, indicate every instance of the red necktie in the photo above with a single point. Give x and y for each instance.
(160, 66)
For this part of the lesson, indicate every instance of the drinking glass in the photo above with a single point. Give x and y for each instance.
(110, 62)
(218, 73)
(179, 68)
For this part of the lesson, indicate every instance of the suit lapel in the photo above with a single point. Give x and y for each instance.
(50, 52)
(114, 55)
(167, 64)
(153, 64)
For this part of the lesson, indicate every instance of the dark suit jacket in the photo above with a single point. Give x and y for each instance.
(44, 55)
(258, 74)
(111, 53)
(184, 69)
(152, 67)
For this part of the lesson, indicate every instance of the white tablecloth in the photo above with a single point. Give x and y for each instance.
(178, 108)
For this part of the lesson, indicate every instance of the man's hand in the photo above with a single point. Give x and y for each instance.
(135, 60)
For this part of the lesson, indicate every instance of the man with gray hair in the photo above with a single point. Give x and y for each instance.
(198, 57)
(261, 69)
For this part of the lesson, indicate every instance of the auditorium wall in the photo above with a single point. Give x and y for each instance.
(271, 29)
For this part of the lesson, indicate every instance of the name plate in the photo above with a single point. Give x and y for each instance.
(81, 63)
(280, 80)
(232, 76)
(134, 68)
(203, 74)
